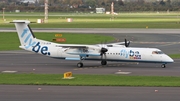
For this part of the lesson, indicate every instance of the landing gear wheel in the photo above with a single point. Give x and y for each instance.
(79, 64)
(163, 66)
(103, 62)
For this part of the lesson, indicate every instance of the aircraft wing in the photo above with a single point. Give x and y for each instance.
(81, 47)
(123, 44)
(74, 47)
(82, 50)
(117, 43)
(84, 54)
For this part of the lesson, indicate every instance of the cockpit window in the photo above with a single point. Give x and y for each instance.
(157, 52)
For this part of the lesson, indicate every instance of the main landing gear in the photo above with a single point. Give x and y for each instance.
(102, 53)
(103, 62)
(163, 65)
(80, 64)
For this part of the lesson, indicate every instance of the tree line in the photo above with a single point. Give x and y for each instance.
(91, 5)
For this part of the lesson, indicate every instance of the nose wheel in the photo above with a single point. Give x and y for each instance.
(163, 66)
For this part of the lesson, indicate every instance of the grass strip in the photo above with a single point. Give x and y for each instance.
(89, 80)
(10, 41)
(123, 20)
(124, 23)
(175, 56)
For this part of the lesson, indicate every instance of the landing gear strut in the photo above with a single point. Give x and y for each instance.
(163, 66)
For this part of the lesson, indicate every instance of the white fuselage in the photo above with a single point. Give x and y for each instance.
(126, 54)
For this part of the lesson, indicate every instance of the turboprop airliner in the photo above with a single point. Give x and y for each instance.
(118, 52)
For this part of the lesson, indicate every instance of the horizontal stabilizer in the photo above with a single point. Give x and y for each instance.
(21, 21)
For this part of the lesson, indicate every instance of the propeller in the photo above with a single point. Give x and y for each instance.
(127, 43)
(103, 52)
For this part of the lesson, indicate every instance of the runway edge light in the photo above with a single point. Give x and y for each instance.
(68, 75)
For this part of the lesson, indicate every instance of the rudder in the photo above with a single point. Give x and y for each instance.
(25, 34)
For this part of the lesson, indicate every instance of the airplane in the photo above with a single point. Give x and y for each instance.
(118, 52)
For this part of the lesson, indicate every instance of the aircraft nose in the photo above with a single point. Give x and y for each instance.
(167, 59)
(170, 60)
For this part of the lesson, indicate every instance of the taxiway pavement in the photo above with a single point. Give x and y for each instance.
(26, 62)
(87, 93)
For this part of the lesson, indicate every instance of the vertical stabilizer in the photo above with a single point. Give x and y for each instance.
(25, 34)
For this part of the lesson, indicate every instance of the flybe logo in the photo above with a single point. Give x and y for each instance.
(28, 40)
(130, 54)
(134, 55)
(43, 50)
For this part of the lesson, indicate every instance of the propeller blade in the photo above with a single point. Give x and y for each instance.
(127, 43)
